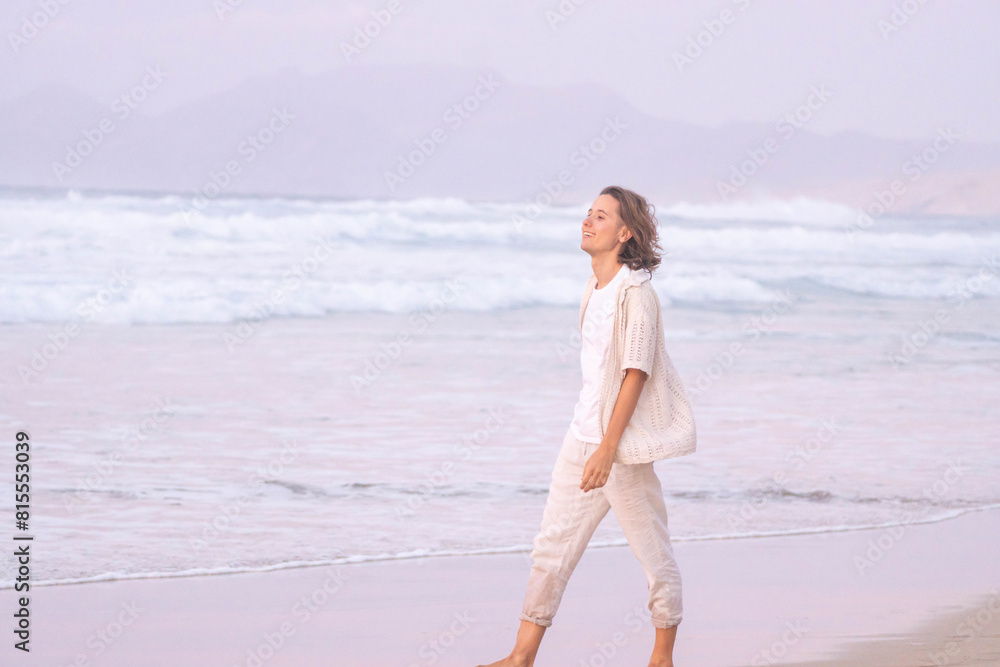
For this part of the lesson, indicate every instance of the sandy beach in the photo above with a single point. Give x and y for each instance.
(922, 594)
(292, 332)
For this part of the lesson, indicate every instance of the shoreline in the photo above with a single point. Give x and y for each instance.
(516, 549)
(743, 599)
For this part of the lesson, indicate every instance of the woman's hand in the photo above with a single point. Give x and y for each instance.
(597, 469)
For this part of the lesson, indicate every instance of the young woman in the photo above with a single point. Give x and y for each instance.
(632, 411)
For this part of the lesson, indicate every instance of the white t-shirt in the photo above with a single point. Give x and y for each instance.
(595, 340)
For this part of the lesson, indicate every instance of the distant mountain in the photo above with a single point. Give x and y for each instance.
(380, 131)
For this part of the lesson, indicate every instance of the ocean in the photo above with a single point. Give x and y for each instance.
(269, 383)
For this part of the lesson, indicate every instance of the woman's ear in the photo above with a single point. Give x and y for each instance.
(623, 229)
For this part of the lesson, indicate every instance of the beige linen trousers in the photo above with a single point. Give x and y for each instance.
(570, 518)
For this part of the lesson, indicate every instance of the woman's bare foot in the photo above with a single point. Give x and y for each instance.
(529, 637)
(509, 661)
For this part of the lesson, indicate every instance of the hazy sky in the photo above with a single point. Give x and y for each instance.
(940, 67)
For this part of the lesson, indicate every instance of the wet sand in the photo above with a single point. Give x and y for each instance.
(868, 597)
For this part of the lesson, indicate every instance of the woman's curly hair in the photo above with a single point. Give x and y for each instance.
(640, 251)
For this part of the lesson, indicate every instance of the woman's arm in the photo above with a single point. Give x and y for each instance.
(598, 466)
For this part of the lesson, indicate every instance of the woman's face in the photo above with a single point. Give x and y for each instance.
(602, 229)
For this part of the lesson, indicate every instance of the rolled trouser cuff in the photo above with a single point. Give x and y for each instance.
(666, 624)
(537, 621)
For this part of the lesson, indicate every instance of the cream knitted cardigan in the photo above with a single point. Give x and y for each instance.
(662, 425)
